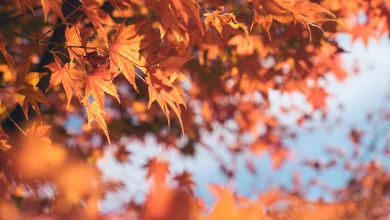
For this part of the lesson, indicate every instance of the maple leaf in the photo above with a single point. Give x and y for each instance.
(188, 9)
(157, 169)
(175, 15)
(124, 52)
(76, 41)
(172, 64)
(185, 180)
(95, 113)
(161, 89)
(364, 32)
(98, 17)
(65, 75)
(8, 57)
(158, 202)
(54, 5)
(37, 134)
(24, 4)
(248, 48)
(27, 92)
(317, 98)
(98, 82)
(218, 20)
(301, 11)
(225, 205)
(170, 22)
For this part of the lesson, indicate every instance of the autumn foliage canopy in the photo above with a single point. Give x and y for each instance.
(83, 79)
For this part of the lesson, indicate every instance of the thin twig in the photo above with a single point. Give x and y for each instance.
(40, 41)
(62, 23)
(10, 118)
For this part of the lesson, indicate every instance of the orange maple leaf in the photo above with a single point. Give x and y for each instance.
(98, 17)
(77, 41)
(95, 113)
(301, 11)
(218, 20)
(161, 89)
(169, 21)
(252, 44)
(25, 83)
(157, 169)
(27, 92)
(172, 64)
(54, 5)
(317, 98)
(364, 32)
(188, 9)
(225, 205)
(98, 82)
(8, 58)
(186, 181)
(66, 75)
(124, 52)
(37, 134)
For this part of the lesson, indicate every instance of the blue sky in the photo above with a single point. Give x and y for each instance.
(360, 93)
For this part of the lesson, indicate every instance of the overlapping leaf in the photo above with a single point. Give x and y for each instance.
(169, 21)
(54, 5)
(27, 92)
(77, 41)
(8, 57)
(161, 89)
(98, 17)
(66, 75)
(218, 20)
(99, 82)
(95, 113)
(187, 9)
(301, 11)
(175, 16)
(124, 52)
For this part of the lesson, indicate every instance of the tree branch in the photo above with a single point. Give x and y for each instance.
(58, 37)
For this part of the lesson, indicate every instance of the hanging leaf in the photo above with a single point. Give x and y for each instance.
(302, 11)
(95, 113)
(157, 169)
(99, 82)
(67, 76)
(8, 58)
(77, 41)
(169, 21)
(54, 5)
(98, 17)
(124, 52)
(161, 89)
(218, 20)
(27, 92)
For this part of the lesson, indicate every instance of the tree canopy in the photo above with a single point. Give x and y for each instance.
(83, 77)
